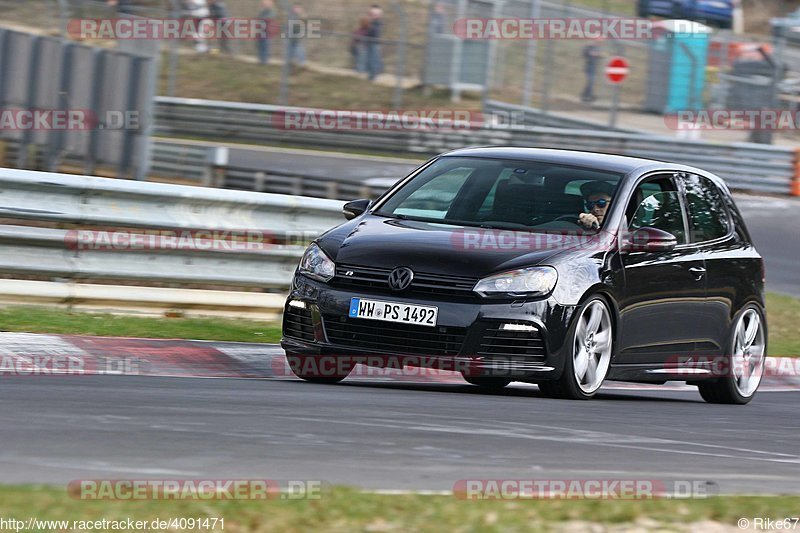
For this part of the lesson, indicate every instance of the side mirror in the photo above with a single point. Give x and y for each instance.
(649, 240)
(355, 208)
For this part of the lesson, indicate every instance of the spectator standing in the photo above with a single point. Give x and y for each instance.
(438, 19)
(591, 57)
(197, 11)
(374, 34)
(267, 13)
(218, 12)
(296, 31)
(358, 46)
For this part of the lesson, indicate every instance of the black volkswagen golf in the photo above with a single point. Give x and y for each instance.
(559, 268)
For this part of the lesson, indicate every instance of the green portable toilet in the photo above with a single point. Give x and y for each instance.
(677, 68)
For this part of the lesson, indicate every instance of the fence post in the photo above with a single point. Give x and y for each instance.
(530, 58)
(286, 70)
(794, 189)
(400, 56)
(172, 73)
(32, 83)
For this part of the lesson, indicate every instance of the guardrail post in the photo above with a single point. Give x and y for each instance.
(333, 189)
(258, 181)
(795, 184)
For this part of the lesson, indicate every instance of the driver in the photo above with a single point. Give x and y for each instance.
(597, 197)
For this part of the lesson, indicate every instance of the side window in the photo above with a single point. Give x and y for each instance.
(708, 217)
(433, 199)
(656, 204)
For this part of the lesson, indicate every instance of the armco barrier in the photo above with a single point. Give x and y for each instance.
(745, 166)
(531, 116)
(102, 204)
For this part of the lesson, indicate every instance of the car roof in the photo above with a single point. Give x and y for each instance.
(598, 161)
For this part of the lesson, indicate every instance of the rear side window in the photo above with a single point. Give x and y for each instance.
(708, 216)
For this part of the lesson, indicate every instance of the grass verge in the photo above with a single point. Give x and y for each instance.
(50, 320)
(344, 509)
(220, 78)
(782, 315)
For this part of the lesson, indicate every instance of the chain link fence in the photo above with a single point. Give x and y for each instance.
(417, 51)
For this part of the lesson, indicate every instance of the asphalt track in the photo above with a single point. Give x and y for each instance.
(386, 435)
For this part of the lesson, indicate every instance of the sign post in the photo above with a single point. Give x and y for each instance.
(617, 70)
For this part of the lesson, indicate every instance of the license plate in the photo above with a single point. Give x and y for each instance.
(422, 315)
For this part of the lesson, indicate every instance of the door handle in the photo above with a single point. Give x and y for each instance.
(697, 272)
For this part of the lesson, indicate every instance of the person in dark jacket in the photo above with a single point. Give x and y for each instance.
(358, 45)
(374, 34)
(219, 12)
(591, 57)
(267, 13)
(296, 27)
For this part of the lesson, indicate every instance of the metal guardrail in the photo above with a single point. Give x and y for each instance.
(183, 161)
(282, 182)
(745, 166)
(531, 116)
(103, 204)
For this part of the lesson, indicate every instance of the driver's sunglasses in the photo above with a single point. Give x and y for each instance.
(599, 203)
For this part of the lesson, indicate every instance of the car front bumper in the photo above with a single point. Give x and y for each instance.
(471, 334)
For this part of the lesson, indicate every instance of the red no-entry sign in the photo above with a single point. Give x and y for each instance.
(617, 69)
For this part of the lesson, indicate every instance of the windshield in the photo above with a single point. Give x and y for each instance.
(505, 194)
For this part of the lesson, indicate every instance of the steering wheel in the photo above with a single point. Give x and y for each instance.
(568, 218)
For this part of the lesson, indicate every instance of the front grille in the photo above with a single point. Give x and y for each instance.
(376, 279)
(297, 324)
(525, 346)
(393, 337)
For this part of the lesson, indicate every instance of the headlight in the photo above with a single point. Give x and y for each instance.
(316, 265)
(534, 281)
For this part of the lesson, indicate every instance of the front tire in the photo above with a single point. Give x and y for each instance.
(487, 382)
(589, 354)
(314, 370)
(748, 348)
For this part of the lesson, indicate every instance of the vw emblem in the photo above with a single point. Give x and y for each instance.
(400, 278)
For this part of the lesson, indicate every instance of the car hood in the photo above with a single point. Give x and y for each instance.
(442, 249)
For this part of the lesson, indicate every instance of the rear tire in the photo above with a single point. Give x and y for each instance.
(747, 348)
(307, 368)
